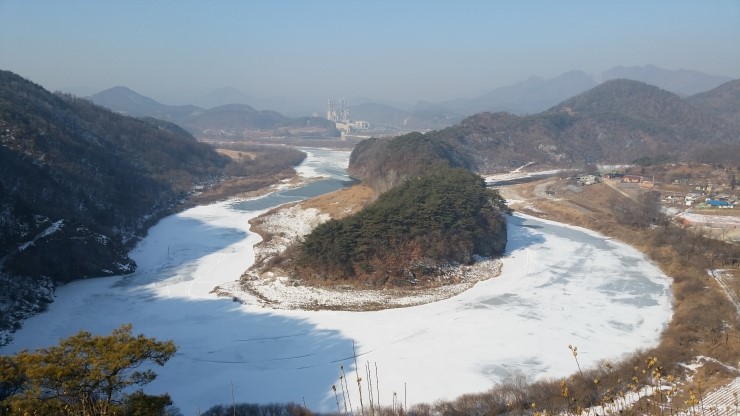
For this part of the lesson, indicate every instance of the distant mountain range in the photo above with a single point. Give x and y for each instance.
(223, 96)
(681, 82)
(617, 121)
(530, 96)
(230, 120)
(127, 102)
(533, 95)
(423, 117)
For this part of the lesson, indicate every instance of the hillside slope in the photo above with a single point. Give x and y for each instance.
(616, 122)
(527, 97)
(384, 163)
(724, 101)
(78, 183)
(66, 159)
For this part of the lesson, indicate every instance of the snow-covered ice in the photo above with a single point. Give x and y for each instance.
(559, 285)
(321, 163)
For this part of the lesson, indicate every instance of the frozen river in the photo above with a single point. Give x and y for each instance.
(560, 285)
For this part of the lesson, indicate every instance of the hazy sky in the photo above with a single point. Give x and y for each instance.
(388, 50)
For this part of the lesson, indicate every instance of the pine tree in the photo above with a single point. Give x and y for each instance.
(85, 374)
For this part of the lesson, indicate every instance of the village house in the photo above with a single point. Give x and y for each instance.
(716, 203)
(645, 183)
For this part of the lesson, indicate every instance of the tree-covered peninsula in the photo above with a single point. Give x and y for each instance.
(410, 233)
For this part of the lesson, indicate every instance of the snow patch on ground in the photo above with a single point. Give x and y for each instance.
(518, 174)
(54, 227)
(51, 229)
(279, 292)
(722, 277)
(283, 227)
(715, 220)
(723, 401)
(294, 221)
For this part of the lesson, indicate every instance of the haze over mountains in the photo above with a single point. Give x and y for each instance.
(570, 119)
(682, 82)
(128, 102)
(616, 121)
(228, 120)
(537, 94)
(530, 96)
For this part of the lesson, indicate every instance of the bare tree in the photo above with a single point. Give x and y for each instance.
(641, 211)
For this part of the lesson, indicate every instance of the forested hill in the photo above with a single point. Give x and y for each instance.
(723, 101)
(618, 121)
(384, 163)
(77, 182)
(130, 103)
(410, 232)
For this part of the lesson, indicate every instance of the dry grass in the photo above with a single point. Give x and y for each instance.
(343, 202)
(236, 154)
(337, 204)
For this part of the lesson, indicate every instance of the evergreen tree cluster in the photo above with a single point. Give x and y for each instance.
(447, 216)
